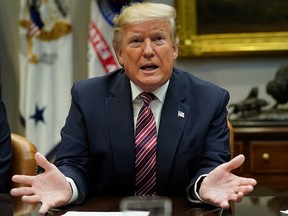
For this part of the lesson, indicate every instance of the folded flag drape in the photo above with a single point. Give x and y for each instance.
(45, 58)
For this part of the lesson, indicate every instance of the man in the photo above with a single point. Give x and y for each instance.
(99, 153)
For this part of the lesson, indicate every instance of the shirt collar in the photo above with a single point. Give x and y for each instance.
(160, 93)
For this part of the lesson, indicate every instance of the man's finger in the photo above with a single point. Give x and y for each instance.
(247, 181)
(246, 189)
(224, 204)
(31, 199)
(234, 163)
(21, 191)
(43, 162)
(43, 209)
(23, 179)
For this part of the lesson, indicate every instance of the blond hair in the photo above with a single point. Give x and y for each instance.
(141, 12)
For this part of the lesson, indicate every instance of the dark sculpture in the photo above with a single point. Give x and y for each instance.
(278, 88)
(249, 104)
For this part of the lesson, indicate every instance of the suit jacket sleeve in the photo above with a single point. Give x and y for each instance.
(217, 133)
(73, 158)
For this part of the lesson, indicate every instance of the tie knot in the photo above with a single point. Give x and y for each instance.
(147, 97)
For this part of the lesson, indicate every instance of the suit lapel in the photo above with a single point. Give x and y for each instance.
(173, 118)
(121, 128)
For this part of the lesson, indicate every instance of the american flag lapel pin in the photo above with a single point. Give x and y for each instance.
(181, 114)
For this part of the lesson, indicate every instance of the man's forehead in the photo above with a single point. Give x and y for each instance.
(147, 26)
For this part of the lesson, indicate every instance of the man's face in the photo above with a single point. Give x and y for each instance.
(147, 52)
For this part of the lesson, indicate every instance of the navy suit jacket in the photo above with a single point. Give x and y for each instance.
(97, 149)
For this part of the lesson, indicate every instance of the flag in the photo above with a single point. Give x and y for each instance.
(45, 58)
(101, 56)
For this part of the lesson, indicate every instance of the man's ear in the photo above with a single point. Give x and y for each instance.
(175, 54)
(119, 56)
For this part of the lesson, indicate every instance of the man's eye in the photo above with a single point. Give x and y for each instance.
(159, 40)
(135, 41)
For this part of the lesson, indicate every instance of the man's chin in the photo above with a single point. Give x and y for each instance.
(150, 85)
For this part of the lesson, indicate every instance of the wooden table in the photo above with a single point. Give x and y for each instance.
(250, 206)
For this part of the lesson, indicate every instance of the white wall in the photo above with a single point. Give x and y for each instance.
(237, 75)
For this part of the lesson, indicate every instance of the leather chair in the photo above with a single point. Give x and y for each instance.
(23, 163)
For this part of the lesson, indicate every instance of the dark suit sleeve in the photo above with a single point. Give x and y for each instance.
(217, 147)
(73, 158)
(5, 149)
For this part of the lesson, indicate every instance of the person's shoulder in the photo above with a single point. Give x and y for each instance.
(188, 79)
(99, 81)
(193, 86)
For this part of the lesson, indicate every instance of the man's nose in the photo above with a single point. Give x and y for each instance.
(148, 49)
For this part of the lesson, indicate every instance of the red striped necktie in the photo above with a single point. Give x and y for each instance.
(145, 145)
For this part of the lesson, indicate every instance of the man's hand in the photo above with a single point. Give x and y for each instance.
(221, 186)
(50, 188)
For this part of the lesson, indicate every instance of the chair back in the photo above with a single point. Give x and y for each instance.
(23, 163)
(231, 138)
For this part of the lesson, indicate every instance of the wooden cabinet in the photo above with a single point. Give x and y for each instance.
(266, 152)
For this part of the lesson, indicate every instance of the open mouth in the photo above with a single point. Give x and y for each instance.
(149, 67)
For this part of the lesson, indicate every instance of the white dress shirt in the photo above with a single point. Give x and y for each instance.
(155, 105)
